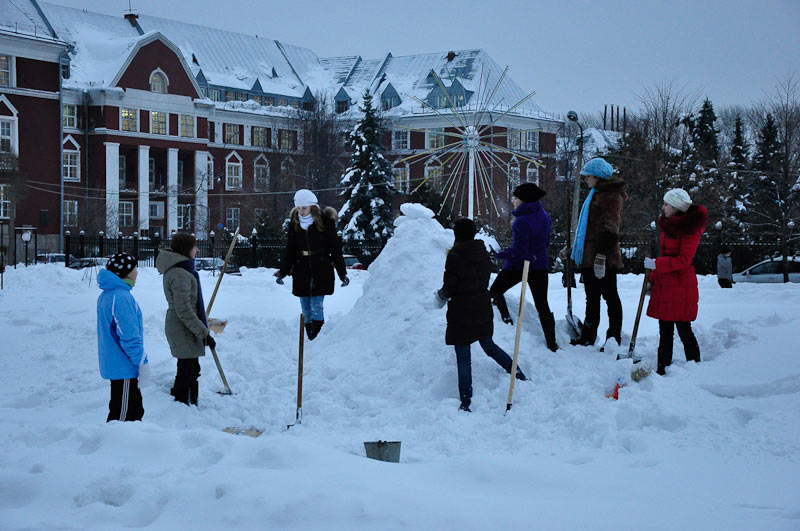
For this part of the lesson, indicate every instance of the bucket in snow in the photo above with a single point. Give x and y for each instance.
(388, 451)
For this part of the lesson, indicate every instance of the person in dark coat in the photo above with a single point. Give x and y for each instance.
(185, 324)
(313, 250)
(469, 306)
(531, 230)
(674, 295)
(725, 269)
(596, 250)
(120, 338)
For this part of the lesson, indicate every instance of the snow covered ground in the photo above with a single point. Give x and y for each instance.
(711, 446)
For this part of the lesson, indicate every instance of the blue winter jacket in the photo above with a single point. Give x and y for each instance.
(120, 333)
(531, 232)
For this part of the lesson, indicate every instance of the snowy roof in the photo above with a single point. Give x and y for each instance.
(23, 18)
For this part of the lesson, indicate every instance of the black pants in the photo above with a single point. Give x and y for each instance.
(724, 283)
(126, 401)
(185, 387)
(537, 281)
(606, 288)
(666, 333)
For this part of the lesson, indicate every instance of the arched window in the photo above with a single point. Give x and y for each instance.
(433, 174)
(400, 172)
(233, 172)
(513, 175)
(158, 82)
(287, 166)
(261, 174)
(532, 174)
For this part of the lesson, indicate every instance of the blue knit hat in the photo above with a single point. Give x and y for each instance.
(599, 168)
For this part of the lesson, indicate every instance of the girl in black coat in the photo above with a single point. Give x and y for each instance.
(312, 251)
(469, 310)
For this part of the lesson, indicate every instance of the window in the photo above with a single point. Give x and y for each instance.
(129, 119)
(6, 136)
(157, 209)
(231, 133)
(532, 174)
(71, 213)
(5, 201)
(242, 96)
(400, 173)
(158, 83)
(295, 104)
(122, 172)
(233, 172)
(187, 125)
(180, 175)
(287, 166)
(342, 106)
(400, 139)
(69, 116)
(5, 70)
(184, 216)
(232, 218)
(282, 102)
(287, 139)
(210, 173)
(126, 213)
(440, 101)
(513, 141)
(435, 138)
(532, 141)
(261, 137)
(151, 173)
(266, 100)
(215, 94)
(433, 174)
(72, 164)
(261, 175)
(260, 215)
(158, 123)
(388, 102)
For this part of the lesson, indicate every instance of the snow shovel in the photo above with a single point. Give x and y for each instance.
(575, 324)
(519, 330)
(227, 390)
(641, 371)
(298, 416)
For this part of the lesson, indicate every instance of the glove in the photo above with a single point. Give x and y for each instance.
(345, 280)
(649, 263)
(600, 266)
(649, 288)
(438, 301)
(144, 368)
(279, 277)
(210, 342)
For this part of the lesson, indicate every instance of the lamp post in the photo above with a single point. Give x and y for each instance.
(26, 237)
(572, 116)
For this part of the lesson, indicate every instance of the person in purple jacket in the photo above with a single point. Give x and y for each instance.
(531, 232)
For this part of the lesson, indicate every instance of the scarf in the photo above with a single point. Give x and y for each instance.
(580, 232)
(188, 265)
(129, 281)
(306, 221)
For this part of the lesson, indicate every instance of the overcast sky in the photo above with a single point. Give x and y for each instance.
(577, 55)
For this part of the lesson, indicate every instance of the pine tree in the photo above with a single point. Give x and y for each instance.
(765, 191)
(768, 148)
(367, 216)
(739, 148)
(737, 196)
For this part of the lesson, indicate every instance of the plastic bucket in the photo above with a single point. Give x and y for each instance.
(388, 451)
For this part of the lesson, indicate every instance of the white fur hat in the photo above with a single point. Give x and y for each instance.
(304, 197)
(678, 198)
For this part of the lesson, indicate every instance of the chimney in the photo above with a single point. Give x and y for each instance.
(131, 17)
(450, 56)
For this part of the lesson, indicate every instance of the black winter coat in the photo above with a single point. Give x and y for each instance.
(466, 278)
(311, 256)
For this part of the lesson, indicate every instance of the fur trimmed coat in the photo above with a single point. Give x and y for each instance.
(311, 255)
(602, 227)
(674, 296)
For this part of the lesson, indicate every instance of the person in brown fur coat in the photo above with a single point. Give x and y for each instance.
(596, 249)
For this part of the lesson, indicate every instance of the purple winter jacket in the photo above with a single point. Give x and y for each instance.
(531, 232)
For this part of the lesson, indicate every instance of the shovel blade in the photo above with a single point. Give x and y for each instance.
(575, 326)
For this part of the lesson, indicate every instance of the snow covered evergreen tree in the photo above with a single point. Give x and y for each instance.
(367, 216)
(739, 147)
(736, 195)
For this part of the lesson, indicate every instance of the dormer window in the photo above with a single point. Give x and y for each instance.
(342, 106)
(388, 102)
(158, 82)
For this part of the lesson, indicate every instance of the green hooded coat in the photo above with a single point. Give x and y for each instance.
(185, 331)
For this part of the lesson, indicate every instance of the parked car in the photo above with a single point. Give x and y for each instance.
(53, 258)
(770, 271)
(351, 262)
(94, 261)
(212, 264)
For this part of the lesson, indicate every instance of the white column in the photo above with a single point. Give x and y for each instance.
(112, 188)
(143, 180)
(201, 194)
(172, 191)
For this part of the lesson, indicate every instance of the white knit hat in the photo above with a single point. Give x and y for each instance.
(304, 197)
(678, 198)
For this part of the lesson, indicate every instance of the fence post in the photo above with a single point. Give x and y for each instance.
(254, 248)
(67, 240)
(136, 245)
(156, 247)
(82, 244)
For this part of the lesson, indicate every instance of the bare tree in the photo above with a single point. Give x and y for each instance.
(662, 108)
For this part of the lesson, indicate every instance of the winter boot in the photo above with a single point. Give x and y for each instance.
(588, 335)
(316, 326)
(309, 326)
(464, 407)
(661, 370)
(193, 393)
(613, 341)
(549, 329)
(507, 320)
(521, 375)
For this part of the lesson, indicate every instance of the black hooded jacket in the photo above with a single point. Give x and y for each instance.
(466, 278)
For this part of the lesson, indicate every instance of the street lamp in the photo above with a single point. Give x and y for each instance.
(26, 237)
(572, 116)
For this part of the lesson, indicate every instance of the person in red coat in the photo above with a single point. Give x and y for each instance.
(674, 295)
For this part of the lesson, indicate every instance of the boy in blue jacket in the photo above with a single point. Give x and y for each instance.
(120, 338)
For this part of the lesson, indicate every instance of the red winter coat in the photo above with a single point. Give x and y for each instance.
(674, 295)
